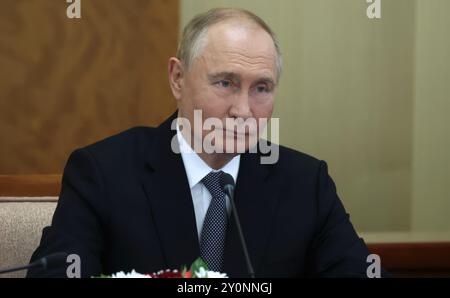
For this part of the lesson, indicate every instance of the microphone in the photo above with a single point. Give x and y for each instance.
(227, 184)
(43, 263)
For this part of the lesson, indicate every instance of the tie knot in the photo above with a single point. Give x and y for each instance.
(212, 182)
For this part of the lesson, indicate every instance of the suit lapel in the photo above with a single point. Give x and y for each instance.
(166, 186)
(256, 203)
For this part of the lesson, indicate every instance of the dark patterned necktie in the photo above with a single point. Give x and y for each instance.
(212, 242)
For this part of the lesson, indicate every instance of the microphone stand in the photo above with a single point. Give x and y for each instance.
(228, 189)
(44, 263)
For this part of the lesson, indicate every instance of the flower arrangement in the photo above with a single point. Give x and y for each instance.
(198, 269)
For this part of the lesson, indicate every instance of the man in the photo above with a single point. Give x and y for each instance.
(132, 202)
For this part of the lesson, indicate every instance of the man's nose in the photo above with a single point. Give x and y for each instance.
(241, 106)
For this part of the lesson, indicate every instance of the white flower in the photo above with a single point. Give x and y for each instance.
(214, 274)
(132, 274)
(202, 273)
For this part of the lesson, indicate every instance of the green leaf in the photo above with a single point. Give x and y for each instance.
(197, 265)
(183, 271)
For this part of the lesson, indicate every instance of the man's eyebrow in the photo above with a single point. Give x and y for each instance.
(267, 80)
(221, 75)
(231, 75)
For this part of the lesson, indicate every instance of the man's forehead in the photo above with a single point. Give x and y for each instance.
(217, 65)
(235, 59)
(229, 35)
(239, 50)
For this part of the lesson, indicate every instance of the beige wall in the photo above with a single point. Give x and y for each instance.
(431, 164)
(347, 97)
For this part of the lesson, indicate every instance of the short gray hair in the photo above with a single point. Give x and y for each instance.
(193, 37)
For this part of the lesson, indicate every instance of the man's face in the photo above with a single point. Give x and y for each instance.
(234, 77)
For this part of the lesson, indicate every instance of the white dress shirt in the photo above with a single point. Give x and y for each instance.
(196, 170)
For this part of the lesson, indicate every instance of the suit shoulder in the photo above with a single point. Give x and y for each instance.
(123, 144)
(293, 160)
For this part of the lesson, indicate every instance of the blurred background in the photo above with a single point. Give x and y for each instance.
(369, 96)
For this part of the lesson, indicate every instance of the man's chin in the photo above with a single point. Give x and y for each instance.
(235, 146)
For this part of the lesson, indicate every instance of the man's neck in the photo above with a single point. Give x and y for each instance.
(216, 160)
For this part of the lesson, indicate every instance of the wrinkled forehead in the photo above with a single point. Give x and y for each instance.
(239, 45)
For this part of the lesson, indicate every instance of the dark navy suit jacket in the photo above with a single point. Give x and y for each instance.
(125, 204)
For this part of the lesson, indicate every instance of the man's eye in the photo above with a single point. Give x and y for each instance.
(262, 88)
(224, 83)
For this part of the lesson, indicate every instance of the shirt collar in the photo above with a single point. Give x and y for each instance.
(196, 168)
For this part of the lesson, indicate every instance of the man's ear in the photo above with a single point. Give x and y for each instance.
(175, 76)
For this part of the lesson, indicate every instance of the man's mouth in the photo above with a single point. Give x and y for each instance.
(236, 133)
